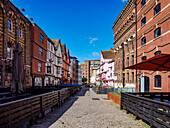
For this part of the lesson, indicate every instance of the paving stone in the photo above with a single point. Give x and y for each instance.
(83, 112)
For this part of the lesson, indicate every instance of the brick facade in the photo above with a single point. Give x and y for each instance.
(38, 58)
(124, 45)
(11, 22)
(152, 44)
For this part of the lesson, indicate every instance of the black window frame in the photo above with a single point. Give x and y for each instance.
(39, 67)
(40, 51)
(158, 81)
(143, 3)
(144, 58)
(157, 52)
(41, 37)
(157, 32)
(157, 9)
(143, 21)
(143, 41)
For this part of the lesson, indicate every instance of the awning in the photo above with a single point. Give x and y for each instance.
(160, 62)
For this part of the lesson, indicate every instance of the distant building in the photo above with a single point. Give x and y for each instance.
(153, 37)
(74, 70)
(94, 75)
(57, 61)
(107, 68)
(50, 63)
(66, 65)
(79, 76)
(124, 46)
(38, 55)
(87, 66)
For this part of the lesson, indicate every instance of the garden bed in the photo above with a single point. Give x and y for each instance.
(116, 97)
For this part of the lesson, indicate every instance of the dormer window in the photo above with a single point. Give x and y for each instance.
(10, 25)
(143, 3)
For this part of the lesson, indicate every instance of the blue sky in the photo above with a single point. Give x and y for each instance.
(85, 26)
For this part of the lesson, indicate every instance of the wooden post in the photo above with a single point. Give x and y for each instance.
(41, 106)
(121, 105)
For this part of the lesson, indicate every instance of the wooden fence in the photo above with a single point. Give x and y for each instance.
(15, 113)
(156, 113)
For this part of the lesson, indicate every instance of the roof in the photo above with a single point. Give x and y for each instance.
(56, 42)
(62, 46)
(108, 54)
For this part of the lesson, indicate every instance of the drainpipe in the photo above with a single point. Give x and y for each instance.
(136, 35)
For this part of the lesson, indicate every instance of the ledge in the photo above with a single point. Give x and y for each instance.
(157, 88)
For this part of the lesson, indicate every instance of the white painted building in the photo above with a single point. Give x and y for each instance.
(79, 76)
(57, 61)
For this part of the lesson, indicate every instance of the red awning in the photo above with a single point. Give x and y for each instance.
(160, 62)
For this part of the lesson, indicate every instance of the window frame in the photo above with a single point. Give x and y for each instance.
(157, 81)
(41, 38)
(10, 25)
(39, 67)
(143, 3)
(40, 51)
(143, 21)
(10, 51)
(143, 39)
(159, 32)
(20, 32)
(158, 6)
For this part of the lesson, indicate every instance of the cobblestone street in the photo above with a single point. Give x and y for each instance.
(82, 111)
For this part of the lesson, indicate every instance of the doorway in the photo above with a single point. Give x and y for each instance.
(144, 86)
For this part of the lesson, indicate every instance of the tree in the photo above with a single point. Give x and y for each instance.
(84, 79)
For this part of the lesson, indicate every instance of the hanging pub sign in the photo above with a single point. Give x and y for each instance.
(48, 69)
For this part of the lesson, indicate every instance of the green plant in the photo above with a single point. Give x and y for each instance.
(116, 94)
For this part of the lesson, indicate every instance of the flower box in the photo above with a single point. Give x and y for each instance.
(115, 97)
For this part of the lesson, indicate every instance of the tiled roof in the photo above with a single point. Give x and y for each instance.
(108, 54)
(56, 42)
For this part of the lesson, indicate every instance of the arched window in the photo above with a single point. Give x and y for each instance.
(10, 25)
(9, 51)
(157, 9)
(143, 40)
(158, 81)
(20, 32)
(157, 52)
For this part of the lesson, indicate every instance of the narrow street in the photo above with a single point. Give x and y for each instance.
(82, 111)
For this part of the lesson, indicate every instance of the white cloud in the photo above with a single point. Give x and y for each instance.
(95, 54)
(124, 0)
(94, 45)
(92, 39)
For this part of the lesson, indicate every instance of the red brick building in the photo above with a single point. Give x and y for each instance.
(66, 65)
(153, 35)
(124, 46)
(38, 55)
(14, 28)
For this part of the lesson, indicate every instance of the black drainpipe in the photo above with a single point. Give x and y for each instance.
(136, 36)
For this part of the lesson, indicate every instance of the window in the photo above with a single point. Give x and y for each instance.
(127, 77)
(132, 59)
(47, 55)
(157, 32)
(132, 46)
(10, 25)
(41, 37)
(157, 9)
(143, 3)
(157, 52)
(158, 81)
(48, 45)
(127, 61)
(40, 51)
(132, 77)
(143, 40)
(9, 51)
(20, 32)
(144, 58)
(143, 21)
(39, 67)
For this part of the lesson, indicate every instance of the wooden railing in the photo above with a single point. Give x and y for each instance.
(156, 113)
(15, 113)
